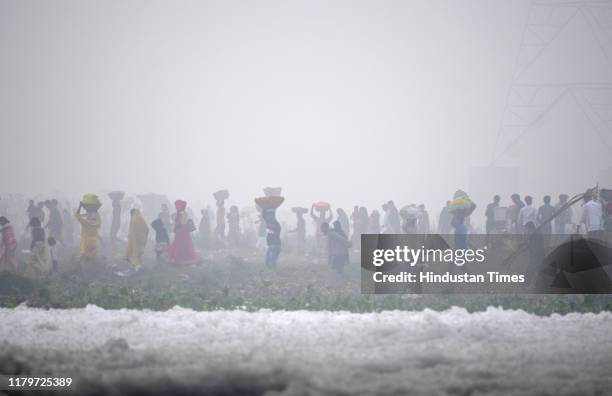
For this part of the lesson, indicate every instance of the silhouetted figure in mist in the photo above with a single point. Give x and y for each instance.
(491, 226)
(165, 216)
(300, 229)
(385, 227)
(35, 211)
(220, 225)
(32, 210)
(337, 246)
(262, 232)
(445, 221)
(424, 224)
(527, 213)
(116, 197)
(204, 229)
(490, 215)
(513, 213)
(355, 218)
(233, 222)
(394, 218)
(138, 235)
(55, 222)
(461, 207)
(8, 246)
(68, 231)
(90, 225)
(273, 239)
(592, 215)
(545, 213)
(162, 239)
(324, 216)
(410, 217)
(181, 250)
(343, 218)
(563, 219)
(38, 248)
(361, 222)
(41, 212)
(374, 222)
(364, 221)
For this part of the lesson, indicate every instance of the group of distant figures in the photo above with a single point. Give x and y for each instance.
(50, 227)
(522, 216)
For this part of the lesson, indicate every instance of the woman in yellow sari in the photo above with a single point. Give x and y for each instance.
(137, 238)
(90, 225)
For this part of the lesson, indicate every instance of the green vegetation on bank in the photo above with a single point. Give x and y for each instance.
(232, 282)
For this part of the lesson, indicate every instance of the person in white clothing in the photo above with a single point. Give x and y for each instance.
(528, 214)
(592, 215)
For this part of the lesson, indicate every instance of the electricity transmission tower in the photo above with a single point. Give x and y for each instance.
(552, 26)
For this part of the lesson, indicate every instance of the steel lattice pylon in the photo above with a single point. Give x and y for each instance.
(530, 98)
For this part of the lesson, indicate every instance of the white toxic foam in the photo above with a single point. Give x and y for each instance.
(299, 352)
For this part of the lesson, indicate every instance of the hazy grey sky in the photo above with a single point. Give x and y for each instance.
(354, 102)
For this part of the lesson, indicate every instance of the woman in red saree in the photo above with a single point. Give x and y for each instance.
(181, 250)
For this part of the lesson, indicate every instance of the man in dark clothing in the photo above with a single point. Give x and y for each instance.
(55, 223)
(32, 210)
(444, 223)
(35, 211)
(38, 251)
(394, 217)
(161, 238)
(490, 214)
(545, 213)
(513, 213)
(273, 239)
(337, 246)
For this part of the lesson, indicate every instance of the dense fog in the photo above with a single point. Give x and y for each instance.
(354, 102)
(213, 197)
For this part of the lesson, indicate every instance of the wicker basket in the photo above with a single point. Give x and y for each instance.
(116, 195)
(221, 195)
(91, 202)
(322, 206)
(269, 202)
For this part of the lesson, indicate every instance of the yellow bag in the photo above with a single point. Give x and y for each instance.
(90, 199)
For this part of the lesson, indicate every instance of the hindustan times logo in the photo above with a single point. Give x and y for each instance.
(404, 254)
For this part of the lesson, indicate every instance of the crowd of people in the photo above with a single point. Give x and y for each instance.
(46, 228)
(524, 214)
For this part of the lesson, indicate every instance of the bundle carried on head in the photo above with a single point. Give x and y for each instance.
(461, 204)
(409, 212)
(116, 195)
(321, 206)
(273, 191)
(91, 202)
(221, 195)
(459, 194)
(299, 210)
(269, 202)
